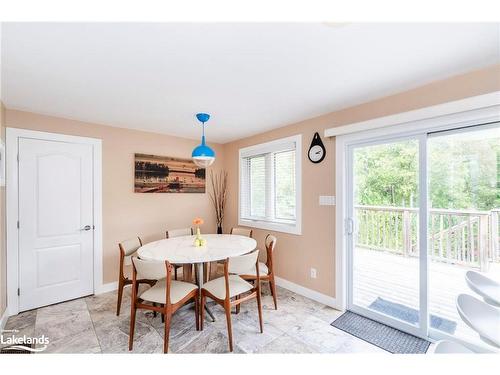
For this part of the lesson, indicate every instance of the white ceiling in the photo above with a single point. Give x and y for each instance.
(251, 77)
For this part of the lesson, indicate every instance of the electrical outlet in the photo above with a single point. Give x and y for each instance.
(313, 273)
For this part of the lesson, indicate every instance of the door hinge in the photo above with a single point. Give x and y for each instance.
(18, 158)
(18, 224)
(18, 291)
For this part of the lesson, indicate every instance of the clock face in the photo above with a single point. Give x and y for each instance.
(316, 153)
(317, 150)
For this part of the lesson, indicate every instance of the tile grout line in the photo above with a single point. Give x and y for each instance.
(35, 325)
(93, 326)
(270, 342)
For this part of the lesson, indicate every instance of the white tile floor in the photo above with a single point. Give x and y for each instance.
(90, 325)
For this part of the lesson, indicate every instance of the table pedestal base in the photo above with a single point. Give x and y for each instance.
(199, 281)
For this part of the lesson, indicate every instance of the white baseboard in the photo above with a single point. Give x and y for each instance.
(309, 293)
(3, 319)
(105, 288)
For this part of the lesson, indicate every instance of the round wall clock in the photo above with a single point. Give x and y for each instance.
(317, 151)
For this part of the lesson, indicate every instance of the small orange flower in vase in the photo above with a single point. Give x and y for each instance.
(198, 242)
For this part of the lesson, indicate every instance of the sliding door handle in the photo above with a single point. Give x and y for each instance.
(349, 226)
(86, 227)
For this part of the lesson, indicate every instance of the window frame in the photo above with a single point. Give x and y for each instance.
(268, 148)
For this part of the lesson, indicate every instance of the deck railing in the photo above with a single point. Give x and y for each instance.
(465, 237)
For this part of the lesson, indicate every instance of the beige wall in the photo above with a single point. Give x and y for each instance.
(295, 255)
(3, 263)
(125, 213)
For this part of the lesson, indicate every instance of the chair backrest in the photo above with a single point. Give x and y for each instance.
(130, 246)
(243, 263)
(270, 243)
(179, 232)
(242, 232)
(150, 270)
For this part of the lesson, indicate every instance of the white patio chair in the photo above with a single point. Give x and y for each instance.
(450, 347)
(481, 317)
(487, 288)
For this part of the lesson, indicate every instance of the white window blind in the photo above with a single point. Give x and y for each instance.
(284, 182)
(257, 186)
(270, 185)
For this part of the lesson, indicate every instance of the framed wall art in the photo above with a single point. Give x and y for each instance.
(164, 174)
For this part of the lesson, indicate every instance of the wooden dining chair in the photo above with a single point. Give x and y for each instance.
(266, 269)
(187, 269)
(169, 294)
(231, 290)
(128, 249)
(241, 232)
(214, 270)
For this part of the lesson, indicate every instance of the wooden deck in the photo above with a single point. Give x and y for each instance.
(395, 278)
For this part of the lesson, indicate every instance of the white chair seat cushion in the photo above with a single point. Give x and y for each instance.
(263, 270)
(237, 285)
(178, 290)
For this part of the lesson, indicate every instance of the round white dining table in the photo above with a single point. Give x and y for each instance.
(181, 250)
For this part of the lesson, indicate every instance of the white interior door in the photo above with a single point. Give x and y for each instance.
(55, 222)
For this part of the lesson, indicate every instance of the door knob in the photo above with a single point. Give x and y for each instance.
(86, 227)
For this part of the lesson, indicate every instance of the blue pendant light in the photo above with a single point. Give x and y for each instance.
(203, 156)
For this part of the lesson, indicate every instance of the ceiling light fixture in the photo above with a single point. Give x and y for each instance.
(203, 156)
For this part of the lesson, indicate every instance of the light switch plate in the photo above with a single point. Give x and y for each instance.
(327, 200)
(314, 273)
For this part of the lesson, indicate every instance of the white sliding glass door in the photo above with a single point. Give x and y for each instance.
(384, 258)
(421, 211)
(464, 208)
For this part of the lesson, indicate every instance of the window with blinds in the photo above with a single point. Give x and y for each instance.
(270, 185)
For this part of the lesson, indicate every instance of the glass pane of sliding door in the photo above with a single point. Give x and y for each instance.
(463, 222)
(384, 259)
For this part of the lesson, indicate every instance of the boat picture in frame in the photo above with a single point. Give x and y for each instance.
(163, 174)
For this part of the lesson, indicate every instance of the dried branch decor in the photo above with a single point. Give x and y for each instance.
(218, 195)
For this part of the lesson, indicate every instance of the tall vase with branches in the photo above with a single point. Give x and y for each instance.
(218, 195)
